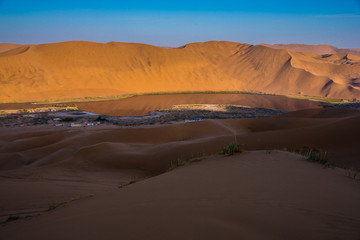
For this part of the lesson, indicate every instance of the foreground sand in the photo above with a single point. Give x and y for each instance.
(253, 195)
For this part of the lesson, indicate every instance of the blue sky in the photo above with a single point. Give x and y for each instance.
(174, 23)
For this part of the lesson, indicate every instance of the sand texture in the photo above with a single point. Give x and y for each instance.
(321, 49)
(4, 47)
(253, 195)
(150, 148)
(87, 69)
(113, 182)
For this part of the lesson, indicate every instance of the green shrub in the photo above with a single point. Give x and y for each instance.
(176, 163)
(315, 155)
(231, 149)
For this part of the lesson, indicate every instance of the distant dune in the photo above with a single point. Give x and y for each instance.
(88, 69)
(8, 46)
(317, 49)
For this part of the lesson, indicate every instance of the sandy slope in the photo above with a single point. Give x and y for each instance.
(253, 195)
(8, 46)
(317, 49)
(42, 166)
(150, 148)
(80, 69)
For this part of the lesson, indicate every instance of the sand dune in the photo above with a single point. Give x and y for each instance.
(253, 195)
(150, 148)
(87, 69)
(4, 47)
(68, 183)
(317, 49)
(272, 193)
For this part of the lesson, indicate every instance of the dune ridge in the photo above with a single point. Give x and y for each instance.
(320, 49)
(254, 195)
(87, 69)
(150, 148)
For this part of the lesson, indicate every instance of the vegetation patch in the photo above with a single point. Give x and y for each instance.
(316, 155)
(231, 149)
(176, 163)
(320, 99)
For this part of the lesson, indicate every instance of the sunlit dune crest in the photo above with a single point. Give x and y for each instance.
(317, 49)
(88, 69)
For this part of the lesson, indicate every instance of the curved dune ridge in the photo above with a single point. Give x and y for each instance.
(150, 148)
(254, 195)
(87, 69)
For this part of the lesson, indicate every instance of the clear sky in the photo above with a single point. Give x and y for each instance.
(175, 23)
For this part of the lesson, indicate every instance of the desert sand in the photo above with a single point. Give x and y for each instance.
(111, 182)
(72, 183)
(4, 47)
(220, 197)
(321, 49)
(87, 69)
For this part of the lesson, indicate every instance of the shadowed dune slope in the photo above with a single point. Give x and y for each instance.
(252, 195)
(88, 69)
(151, 149)
(317, 49)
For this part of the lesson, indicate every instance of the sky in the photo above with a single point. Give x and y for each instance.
(175, 23)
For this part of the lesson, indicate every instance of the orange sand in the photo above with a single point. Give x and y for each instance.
(4, 47)
(317, 49)
(87, 69)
